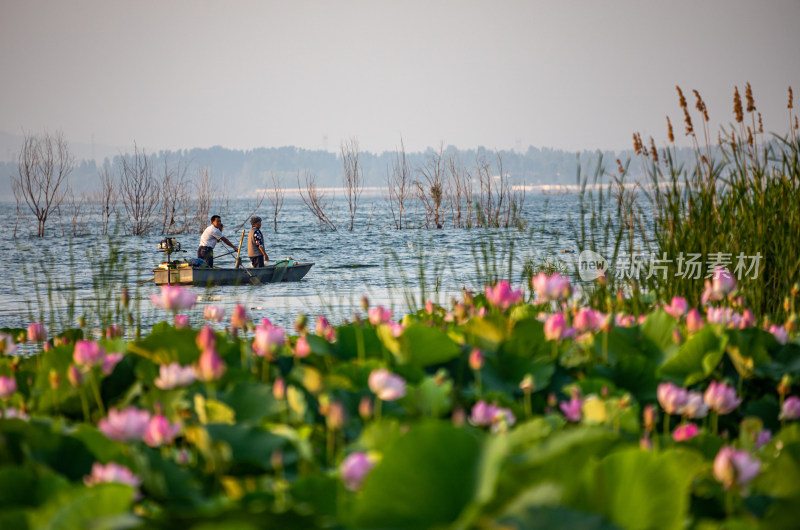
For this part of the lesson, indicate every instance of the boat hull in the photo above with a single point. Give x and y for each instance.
(215, 276)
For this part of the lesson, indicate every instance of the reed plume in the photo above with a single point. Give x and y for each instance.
(737, 105)
(701, 105)
(748, 94)
(791, 99)
(653, 150)
(670, 135)
(686, 116)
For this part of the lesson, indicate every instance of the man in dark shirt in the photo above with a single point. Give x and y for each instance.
(255, 244)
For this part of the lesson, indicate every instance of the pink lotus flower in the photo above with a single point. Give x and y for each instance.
(206, 339)
(429, 307)
(174, 298)
(677, 307)
(748, 319)
(672, 398)
(174, 375)
(572, 409)
(735, 467)
(213, 313)
(501, 296)
(354, 470)
(8, 385)
(181, 321)
(301, 348)
(722, 284)
(239, 317)
(210, 366)
(386, 385)
(114, 332)
(695, 406)
(780, 334)
(111, 472)
(588, 320)
(476, 360)
(556, 328)
(110, 362)
(324, 329)
(379, 315)
(395, 328)
(790, 409)
(36, 332)
(550, 288)
(125, 425)
(268, 339)
(160, 431)
(624, 321)
(684, 432)
(75, 375)
(721, 398)
(694, 321)
(484, 414)
(88, 353)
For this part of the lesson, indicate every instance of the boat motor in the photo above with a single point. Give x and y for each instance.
(170, 245)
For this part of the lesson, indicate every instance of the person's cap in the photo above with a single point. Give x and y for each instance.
(255, 220)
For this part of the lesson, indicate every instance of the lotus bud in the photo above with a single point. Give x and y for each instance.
(239, 317)
(527, 384)
(476, 360)
(279, 389)
(365, 408)
(795, 289)
(324, 405)
(55, 379)
(694, 321)
(440, 377)
(649, 415)
(276, 459)
(458, 417)
(300, 323)
(785, 385)
(8, 385)
(787, 304)
(429, 307)
(206, 339)
(75, 375)
(36, 332)
(684, 432)
(336, 416)
(181, 321)
(790, 409)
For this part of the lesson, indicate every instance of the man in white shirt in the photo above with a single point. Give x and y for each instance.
(209, 239)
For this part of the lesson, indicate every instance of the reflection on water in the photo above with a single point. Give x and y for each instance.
(59, 276)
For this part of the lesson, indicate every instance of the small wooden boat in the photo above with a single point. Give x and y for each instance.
(186, 274)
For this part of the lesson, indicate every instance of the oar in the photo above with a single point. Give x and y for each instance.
(253, 279)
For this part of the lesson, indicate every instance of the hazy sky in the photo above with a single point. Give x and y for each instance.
(564, 74)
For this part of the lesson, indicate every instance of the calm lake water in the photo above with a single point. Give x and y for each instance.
(387, 265)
